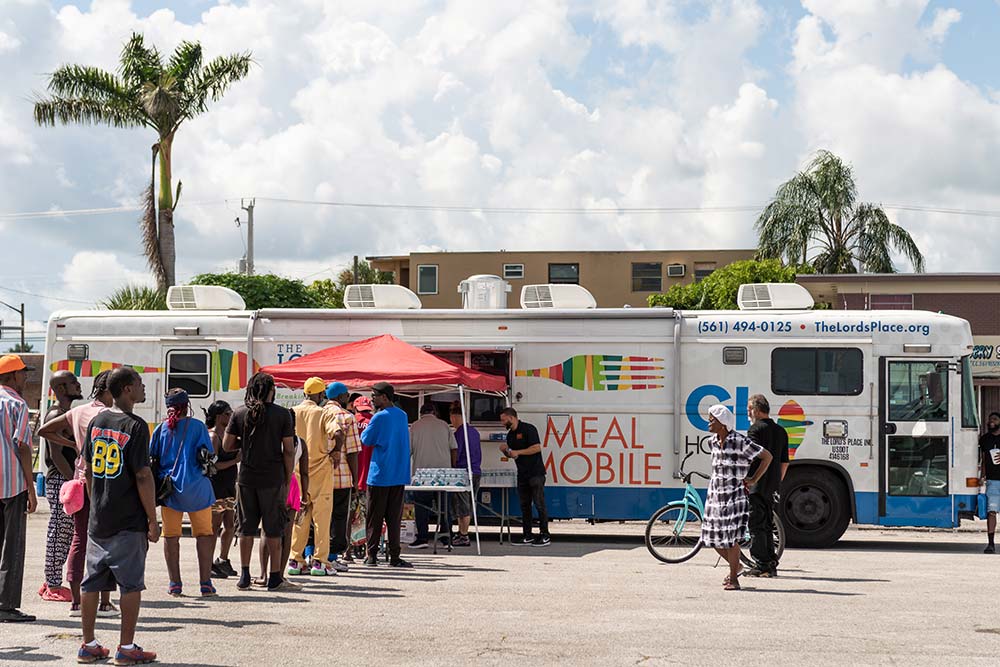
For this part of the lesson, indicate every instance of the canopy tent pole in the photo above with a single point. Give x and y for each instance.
(468, 465)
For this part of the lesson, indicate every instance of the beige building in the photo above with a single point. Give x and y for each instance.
(615, 278)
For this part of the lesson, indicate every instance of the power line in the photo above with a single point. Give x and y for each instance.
(46, 296)
(524, 210)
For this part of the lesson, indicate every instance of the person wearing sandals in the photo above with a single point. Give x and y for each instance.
(180, 445)
(727, 508)
(217, 417)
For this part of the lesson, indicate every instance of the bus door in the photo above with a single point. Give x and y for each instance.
(914, 443)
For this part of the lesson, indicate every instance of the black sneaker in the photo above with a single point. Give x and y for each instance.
(399, 562)
(989, 549)
(15, 616)
(541, 541)
(371, 561)
(527, 541)
(218, 571)
(227, 567)
(418, 544)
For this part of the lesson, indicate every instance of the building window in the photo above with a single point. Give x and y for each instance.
(647, 276)
(564, 274)
(810, 371)
(513, 271)
(701, 274)
(427, 279)
(890, 302)
(190, 370)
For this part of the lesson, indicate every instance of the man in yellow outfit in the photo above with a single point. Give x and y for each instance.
(324, 441)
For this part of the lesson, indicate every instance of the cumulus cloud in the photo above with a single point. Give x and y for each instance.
(603, 103)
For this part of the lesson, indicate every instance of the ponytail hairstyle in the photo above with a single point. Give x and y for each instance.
(100, 384)
(177, 407)
(259, 389)
(213, 412)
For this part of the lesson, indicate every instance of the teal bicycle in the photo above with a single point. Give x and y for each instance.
(673, 533)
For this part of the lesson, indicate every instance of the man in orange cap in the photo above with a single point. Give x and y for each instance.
(17, 492)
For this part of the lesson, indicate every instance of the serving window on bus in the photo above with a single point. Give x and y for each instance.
(483, 408)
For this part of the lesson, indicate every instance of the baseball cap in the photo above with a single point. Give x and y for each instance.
(335, 389)
(384, 388)
(363, 404)
(13, 362)
(314, 385)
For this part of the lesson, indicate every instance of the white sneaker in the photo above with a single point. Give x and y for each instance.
(338, 566)
(110, 612)
(74, 611)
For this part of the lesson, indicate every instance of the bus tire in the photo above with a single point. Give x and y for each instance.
(815, 507)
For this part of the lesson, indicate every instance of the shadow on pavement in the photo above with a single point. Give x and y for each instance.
(837, 580)
(803, 591)
(26, 654)
(907, 546)
(353, 592)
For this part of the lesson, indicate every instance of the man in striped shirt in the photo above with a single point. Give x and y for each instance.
(17, 492)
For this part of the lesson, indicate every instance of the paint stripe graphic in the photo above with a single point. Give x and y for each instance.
(91, 368)
(792, 418)
(603, 372)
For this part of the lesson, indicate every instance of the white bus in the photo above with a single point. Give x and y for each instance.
(879, 406)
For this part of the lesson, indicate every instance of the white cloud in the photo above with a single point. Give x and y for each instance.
(499, 104)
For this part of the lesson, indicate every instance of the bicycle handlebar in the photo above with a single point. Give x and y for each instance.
(687, 476)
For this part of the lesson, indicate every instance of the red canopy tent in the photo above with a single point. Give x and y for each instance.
(385, 358)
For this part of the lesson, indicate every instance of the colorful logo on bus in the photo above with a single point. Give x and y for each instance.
(603, 372)
(229, 370)
(89, 368)
(792, 418)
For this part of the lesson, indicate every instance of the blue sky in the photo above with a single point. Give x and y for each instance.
(594, 103)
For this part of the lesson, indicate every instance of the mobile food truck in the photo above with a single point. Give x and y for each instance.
(879, 406)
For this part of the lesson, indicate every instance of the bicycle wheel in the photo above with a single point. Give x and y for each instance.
(673, 533)
(779, 536)
(779, 542)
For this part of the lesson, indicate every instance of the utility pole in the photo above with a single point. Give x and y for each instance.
(19, 311)
(355, 269)
(249, 209)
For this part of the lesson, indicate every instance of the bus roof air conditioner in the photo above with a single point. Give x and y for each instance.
(557, 296)
(203, 297)
(389, 297)
(774, 296)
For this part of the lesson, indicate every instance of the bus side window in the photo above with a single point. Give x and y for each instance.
(815, 371)
(190, 370)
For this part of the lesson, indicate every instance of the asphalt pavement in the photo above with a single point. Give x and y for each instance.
(593, 597)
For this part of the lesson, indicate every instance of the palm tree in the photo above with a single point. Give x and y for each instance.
(145, 92)
(818, 209)
(135, 297)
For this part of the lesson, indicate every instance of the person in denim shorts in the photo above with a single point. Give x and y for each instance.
(989, 452)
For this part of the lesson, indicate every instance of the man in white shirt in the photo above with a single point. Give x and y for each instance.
(433, 445)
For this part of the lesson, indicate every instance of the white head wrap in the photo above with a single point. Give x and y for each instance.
(724, 416)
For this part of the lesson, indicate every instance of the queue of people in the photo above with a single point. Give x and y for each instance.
(295, 474)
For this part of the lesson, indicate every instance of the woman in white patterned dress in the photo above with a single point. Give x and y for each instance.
(727, 509)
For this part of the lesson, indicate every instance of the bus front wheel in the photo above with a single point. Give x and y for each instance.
(815, 508)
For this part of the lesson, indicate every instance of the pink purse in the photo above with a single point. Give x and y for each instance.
(71, 496)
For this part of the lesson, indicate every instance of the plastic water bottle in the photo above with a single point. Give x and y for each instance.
(39, 484)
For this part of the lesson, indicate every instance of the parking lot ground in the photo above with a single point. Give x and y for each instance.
(593, 597)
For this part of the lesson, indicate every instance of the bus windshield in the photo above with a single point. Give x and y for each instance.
(970, 415)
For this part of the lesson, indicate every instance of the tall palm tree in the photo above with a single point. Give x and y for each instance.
(148, 92)
(818, 210)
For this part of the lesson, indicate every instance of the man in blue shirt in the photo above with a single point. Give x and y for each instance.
(388, 433)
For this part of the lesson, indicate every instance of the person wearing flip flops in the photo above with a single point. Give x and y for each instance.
(122, 516)
(324, 441)
(727, 509)
(179, 445)
(17, 489)
(59, 463)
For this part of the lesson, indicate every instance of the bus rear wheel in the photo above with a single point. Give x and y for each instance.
(815, 508)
